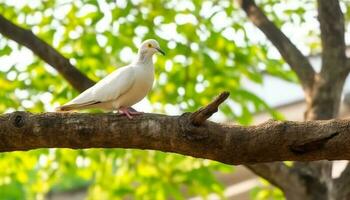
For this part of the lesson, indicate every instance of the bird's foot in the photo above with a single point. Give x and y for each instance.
(129, 112)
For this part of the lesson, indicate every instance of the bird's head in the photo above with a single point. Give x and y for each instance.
(150, 47)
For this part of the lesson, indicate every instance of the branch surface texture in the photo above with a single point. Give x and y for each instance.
(231, 144)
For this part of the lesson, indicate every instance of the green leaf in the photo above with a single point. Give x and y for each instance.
(5, 51)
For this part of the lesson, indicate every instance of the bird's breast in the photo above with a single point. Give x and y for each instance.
(142, 85)
(144, 79)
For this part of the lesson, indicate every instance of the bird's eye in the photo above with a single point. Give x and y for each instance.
(149, 45)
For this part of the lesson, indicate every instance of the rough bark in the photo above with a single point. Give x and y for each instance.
(231, 144)
(282, 177)
(332, 28)
(316, 177)
(302, 67)
(327, 90)
(305, 180)
(43, 50)
(322, 91)
(200, 116)
(341, 185)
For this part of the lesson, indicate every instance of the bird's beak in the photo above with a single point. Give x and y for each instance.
(160, 51)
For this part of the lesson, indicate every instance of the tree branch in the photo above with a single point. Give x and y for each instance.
(326, 97)
(231, 144)
(39, 47)
(297, 61)
(197, 118)
(302, 67)
(281, 176)
(341, 184)
(332, 27)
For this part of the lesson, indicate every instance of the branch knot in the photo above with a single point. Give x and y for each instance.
(193, 125)
(190, 131)
(18, 119)
(200, 116)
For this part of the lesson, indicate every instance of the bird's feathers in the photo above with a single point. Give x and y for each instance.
(123, 87)
(68, 107)
(108, 89)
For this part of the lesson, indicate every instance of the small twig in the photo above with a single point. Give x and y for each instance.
(197, 118)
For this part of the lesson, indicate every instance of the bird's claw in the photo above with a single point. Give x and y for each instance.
(130, 112)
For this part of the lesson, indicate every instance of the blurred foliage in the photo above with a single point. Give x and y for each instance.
(266, 192)
(210, 47)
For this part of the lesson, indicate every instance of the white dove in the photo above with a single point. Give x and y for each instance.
(122, 88)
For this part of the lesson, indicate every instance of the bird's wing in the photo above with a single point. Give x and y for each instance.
(109, 88)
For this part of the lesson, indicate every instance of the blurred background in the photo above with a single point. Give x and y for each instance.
(210, 47)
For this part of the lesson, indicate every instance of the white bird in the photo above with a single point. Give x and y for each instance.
(122, 88)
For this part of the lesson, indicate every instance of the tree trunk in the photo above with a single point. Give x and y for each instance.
(324, 100)
(322, 94)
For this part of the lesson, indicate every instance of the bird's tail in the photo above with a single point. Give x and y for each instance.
(76, 106)
(65, 108)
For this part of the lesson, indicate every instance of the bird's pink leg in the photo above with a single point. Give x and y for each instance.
(129, 112)
(125, 111)
(132, 111)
